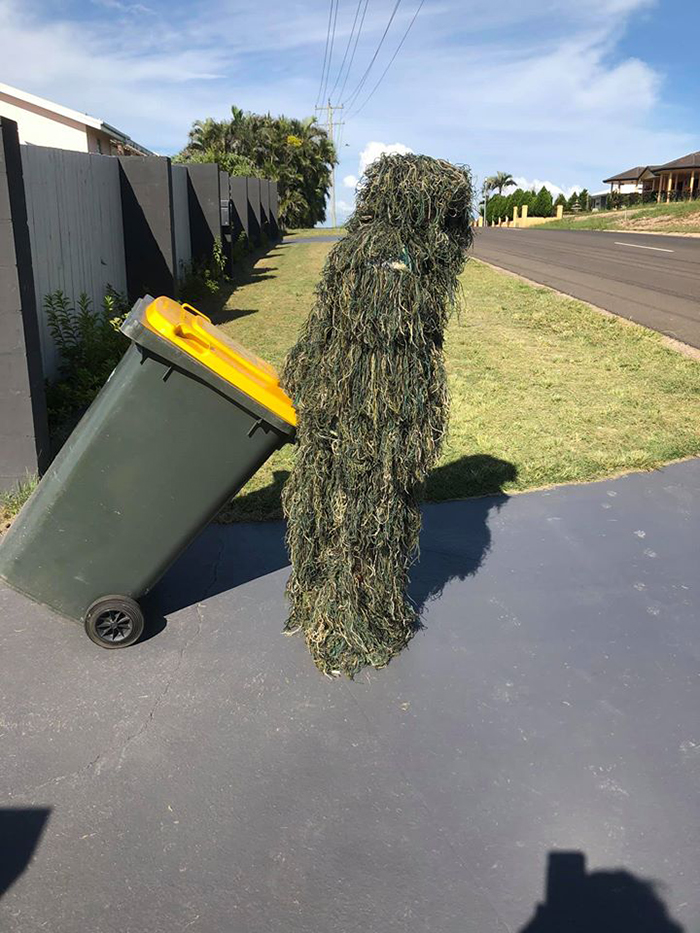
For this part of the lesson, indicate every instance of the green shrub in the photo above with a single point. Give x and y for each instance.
(12, 500)
(89, 345)
(240, 248)
(543, 204)
(201, 278)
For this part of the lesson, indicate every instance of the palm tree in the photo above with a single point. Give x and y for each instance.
(499, 181)
(296, 153)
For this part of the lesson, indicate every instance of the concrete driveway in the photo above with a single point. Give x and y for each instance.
(538, 744)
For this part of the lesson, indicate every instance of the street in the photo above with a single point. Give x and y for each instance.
(653, 280)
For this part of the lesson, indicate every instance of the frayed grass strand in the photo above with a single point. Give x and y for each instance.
(367, 377)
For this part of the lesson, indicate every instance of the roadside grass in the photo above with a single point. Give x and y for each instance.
(680, 217)
(316, 231)
(12, 500)
(544, 389)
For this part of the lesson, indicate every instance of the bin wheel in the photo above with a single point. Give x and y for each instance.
(114, 622)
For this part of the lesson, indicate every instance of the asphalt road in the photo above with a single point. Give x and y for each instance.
(654, 280)
(544, 723)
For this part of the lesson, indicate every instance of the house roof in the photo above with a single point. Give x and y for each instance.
(632, 174)
(692, 160)
(75, 115)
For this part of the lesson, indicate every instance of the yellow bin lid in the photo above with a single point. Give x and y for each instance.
(193, 332)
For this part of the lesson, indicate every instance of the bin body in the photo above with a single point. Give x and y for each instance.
(159, 452)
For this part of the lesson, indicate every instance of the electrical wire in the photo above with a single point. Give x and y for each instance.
(354, 49)
(330, 53)
(391, 61)
(325, 54)
(355, 94)
(347, 47)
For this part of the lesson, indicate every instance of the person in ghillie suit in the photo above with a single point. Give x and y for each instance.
(367, 377)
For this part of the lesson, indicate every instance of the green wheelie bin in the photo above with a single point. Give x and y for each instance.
(183, 422)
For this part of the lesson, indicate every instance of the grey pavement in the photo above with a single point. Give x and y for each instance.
(210, 779)
(653, 280)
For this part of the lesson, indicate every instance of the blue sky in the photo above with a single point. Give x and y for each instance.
(557, 91)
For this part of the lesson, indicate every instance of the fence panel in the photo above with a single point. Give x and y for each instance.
(181, 219)
(75, 229)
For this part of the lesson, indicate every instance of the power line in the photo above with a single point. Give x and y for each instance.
(330, 53)
(347, 47)
(353, 97)
(354, 49)
(330, 126)
(391, 61)
(325, 54)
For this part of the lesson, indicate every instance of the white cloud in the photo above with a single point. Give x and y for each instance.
(350, 181)
(541, 89)
(373, 150)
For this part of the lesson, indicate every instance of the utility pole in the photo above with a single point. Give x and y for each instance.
(330, 126)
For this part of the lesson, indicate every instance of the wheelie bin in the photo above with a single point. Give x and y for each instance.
(183, 422)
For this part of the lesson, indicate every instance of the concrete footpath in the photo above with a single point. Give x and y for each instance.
(543, 725)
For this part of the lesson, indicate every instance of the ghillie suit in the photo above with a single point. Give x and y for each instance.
(368, 379)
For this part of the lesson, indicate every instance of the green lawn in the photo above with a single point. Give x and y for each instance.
(544, 389)
(12, 500)
(681, 217)
(317, 231)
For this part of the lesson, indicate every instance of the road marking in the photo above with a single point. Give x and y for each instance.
(659, 249)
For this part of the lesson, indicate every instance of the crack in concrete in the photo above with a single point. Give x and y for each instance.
(96, 764)
(154, 709)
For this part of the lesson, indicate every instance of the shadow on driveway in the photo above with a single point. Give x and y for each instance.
(20, 831)
(598, 902)
(454, 541)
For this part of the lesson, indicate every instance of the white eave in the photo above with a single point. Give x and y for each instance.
(84, 118)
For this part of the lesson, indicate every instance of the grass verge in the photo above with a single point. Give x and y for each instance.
(681, 217)
(12, 500)
(316, 231)
(544, 388)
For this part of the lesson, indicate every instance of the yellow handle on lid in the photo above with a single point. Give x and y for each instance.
(193, 332)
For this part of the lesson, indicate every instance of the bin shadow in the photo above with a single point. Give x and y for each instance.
(454, 541)
(616, 901)
(20, 832)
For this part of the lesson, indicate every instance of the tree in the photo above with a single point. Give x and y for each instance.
(496, 208)
(529, 198)
(584, 200)
(573, 204)
(543, 203)
(499, 181)
(561, 200)
(296, 153)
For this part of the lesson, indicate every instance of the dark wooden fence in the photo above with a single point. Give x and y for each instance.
(78, 222)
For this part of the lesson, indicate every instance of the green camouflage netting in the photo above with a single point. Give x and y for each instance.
(368, 380)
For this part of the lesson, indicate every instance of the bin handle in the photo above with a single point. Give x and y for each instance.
(183, 331)
(195, 311)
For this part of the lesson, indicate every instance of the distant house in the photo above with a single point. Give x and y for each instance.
(43, 123)
(629, 182)
(673, 181)
(680, 177)
(598, 201)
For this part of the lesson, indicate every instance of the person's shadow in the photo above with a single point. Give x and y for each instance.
(455, 537)
(454, 541)
(577, 901)
(20, 831)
